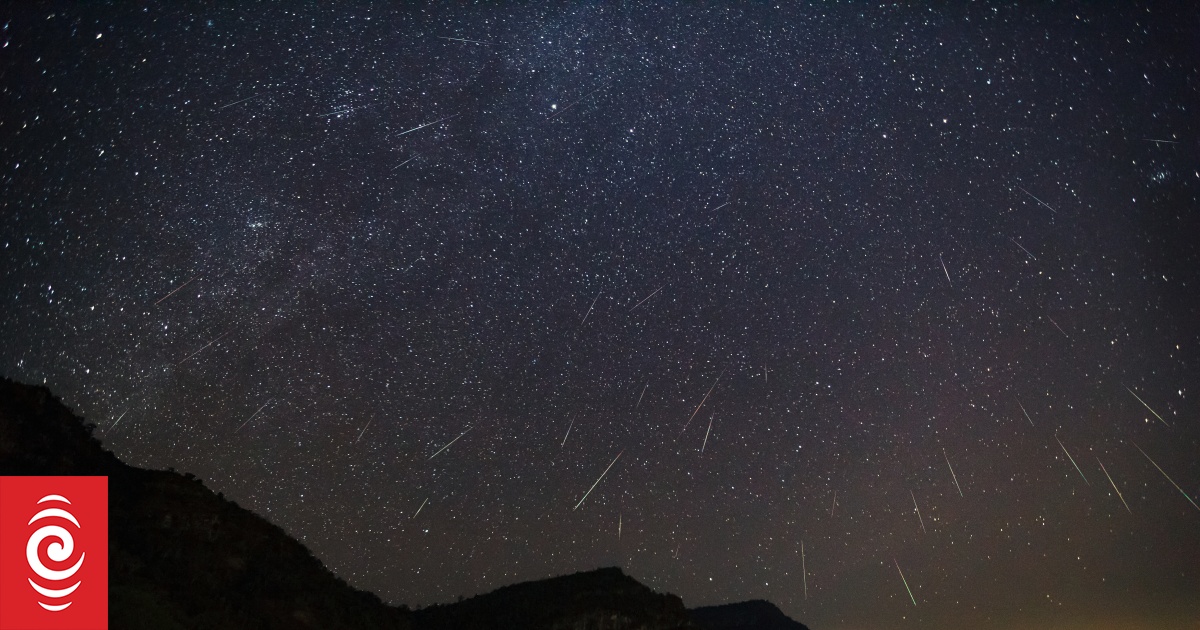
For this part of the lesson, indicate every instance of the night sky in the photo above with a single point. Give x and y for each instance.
(799, 272)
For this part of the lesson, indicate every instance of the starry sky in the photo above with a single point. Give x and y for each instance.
(836, 301)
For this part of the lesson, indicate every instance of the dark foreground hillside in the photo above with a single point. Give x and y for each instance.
(182, 556)
(600, 599)
(752, 615)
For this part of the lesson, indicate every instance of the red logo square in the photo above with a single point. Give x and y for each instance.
(53, 553)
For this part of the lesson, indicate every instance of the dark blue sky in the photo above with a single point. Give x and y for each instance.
(297, 250)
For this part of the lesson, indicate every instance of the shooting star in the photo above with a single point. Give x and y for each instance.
(1038, 200)
(952, 471)
(834, 506)
(254, 415)
(205, 346)
(421, 508)
(648, 297)
(1022, 248)
(804, 569)
(346, 110)
(1114, 485)
(1161, 141)
(620, 519)
(918, 510)
(710, 391)
(710, 421)
(578, 100)
(1057, 326)
(1160, 418)
(1024, 412)
(947, 271)
(1164, 473)
(176, 290)
(364, 430)
(721, 206)
(118, 420)
(564, 442)
(397, 167)
(589, 311)
(418, 127)
(469, 41)
(1060, 444)
(238, 102)
(639, 402)
(439, 451)
(585, 495)
(910, 595)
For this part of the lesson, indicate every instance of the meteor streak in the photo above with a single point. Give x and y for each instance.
(585, 495)
(255, 414)
(1022, 247)
(1024, 412)
(1038, 200)
(397, 167)
(1057, 326)
(951, 474)
(346, 110)
(177, 289)
(710, 391)
(1160, 418)
(710, 420)
(947, 272)
(910, 595)
(118, 420)
(205, 346)
(421, 508)
(804, 569)
(364, 430)
(469, 41)
(1060, 444)
(579, 100)
(424, 125)
(564, 442)
(236, 102)
(1114, 485)
(451, 442)
(589, 311)
(1164, 473)
(918, 510)
(648, 297)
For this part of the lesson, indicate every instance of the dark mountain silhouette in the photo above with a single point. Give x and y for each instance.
(593, 600)
(755, 614)
(182, 556)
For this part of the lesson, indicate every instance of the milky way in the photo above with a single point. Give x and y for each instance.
(850, 300)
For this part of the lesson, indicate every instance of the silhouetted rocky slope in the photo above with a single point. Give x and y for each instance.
(752, 615)
(181, 557)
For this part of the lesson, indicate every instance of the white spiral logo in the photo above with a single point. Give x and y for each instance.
(58, 551)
